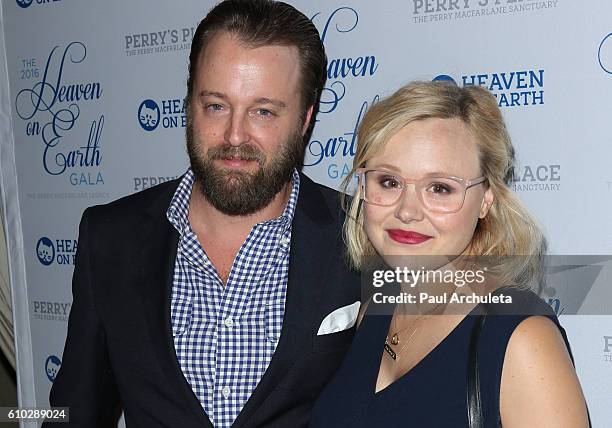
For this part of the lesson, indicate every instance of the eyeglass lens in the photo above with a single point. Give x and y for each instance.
(436, 193)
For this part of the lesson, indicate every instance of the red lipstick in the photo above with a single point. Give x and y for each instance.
(407, 237)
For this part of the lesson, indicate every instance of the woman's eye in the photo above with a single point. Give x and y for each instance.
(390, 183)
(439, 188)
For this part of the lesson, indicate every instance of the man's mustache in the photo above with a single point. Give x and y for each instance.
(243, 152)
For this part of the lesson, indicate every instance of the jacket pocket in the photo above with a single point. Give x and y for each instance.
(333, 342)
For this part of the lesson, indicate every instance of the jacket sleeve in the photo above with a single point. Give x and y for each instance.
(85, 381)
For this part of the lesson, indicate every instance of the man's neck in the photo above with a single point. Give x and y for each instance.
(222, 235)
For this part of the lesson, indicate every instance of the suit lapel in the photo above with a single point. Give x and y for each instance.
(308, 263)
(158, 259)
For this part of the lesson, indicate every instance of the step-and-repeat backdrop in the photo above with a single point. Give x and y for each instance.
(95, 106)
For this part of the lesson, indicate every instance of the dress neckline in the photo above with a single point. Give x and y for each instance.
(418, 365)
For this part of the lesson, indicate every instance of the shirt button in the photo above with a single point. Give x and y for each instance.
(226, 391)
(284, 240)
(229, 322)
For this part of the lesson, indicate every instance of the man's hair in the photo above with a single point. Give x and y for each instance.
(259, 23)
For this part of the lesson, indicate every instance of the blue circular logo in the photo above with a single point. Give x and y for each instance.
(148, 115)
(45, 251)
(606, 45)
(444, 78)
(24, 3)
(52, 366)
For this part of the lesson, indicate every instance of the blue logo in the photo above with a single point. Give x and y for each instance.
(148, 115)
(168, 113)
(606, 43)
(52, 366)
(58, 251)
(519, 88)
(51, 109)
(335, 151)
(556, 305)
(24, 3)
(45, 251)
(444, 78)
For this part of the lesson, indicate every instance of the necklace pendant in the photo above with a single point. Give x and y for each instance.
(395, 339)
(390, 351)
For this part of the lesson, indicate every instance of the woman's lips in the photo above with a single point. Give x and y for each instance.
(407, 237)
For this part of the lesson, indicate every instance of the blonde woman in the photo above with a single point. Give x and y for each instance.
(434, 163)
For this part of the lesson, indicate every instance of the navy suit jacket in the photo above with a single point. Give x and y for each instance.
(119, 352)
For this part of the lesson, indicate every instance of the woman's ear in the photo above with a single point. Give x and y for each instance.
(487, 201)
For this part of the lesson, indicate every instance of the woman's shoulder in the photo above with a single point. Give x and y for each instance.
(529, 362)
(524, 314)
(538, 379)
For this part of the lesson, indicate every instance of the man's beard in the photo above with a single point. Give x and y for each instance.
(239, 193)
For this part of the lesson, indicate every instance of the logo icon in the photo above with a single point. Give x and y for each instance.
(24, 3)
(52, 366)
(556, 305)
(604, 54)
(148, 115)
(45, 251)
(444, 78)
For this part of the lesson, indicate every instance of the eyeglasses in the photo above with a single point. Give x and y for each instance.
(437, 194)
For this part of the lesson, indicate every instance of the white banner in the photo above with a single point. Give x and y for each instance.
(96, 100)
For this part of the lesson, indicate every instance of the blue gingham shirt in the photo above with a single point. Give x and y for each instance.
(225, 335)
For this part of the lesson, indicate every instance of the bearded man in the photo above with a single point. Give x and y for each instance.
(220, 299)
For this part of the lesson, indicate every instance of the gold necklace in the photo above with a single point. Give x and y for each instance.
(391, 352)
(395, 340)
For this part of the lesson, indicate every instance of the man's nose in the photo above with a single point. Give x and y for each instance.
(237, 133)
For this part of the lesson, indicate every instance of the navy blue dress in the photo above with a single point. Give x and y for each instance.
(433, 393)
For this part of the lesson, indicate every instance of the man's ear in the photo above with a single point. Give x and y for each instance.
(307, 118)
(487, 201)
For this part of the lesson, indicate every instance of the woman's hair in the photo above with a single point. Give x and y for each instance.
(508, 229)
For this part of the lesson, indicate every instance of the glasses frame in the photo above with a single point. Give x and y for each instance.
(466, 184)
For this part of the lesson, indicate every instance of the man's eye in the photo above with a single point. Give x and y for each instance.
(264, 112)
(214, 107)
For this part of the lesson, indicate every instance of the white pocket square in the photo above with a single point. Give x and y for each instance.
(339, 320)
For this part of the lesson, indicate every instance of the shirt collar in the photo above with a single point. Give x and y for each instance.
(178, 210)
